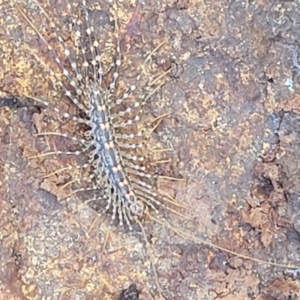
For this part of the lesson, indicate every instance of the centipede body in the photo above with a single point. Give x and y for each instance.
(128, 190)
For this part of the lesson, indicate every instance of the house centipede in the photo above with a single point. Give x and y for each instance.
(128, 191)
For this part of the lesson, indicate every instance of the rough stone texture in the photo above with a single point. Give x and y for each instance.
(233, 99)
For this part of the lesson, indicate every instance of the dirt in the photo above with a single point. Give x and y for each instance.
(234, 114)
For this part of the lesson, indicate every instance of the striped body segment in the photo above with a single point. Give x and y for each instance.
(109, 159)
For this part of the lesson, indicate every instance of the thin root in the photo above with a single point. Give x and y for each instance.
(172, 178)
(171, 200)
(161, 162)
(57, 171)
(153, 51)
(66, 185)
(201, 241)
(161, 150)
(151, 258)
(54, 153)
